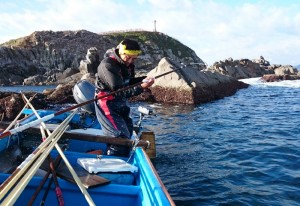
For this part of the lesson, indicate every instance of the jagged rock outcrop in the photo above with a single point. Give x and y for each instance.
(240, 69)
(43, 57)
(245, 68)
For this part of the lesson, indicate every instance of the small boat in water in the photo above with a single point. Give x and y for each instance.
(81, 174)
(110, 180)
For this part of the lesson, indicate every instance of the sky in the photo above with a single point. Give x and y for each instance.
(215, 29)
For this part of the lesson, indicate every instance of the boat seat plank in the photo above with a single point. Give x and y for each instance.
(88, 180)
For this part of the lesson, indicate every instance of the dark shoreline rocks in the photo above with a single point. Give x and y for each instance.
(185, 86)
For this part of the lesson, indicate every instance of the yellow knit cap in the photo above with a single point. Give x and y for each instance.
(123, 50)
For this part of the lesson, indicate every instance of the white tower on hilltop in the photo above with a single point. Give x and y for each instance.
(154, 25)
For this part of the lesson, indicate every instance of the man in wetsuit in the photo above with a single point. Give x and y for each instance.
(116, 71)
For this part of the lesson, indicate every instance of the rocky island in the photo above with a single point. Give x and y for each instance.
(64, 58)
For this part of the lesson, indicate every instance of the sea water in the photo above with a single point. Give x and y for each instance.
(239, 150)
(38, 89)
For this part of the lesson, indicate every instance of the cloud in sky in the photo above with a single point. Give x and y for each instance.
(214, 29)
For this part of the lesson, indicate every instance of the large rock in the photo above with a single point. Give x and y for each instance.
(190, 85)
(281, 73)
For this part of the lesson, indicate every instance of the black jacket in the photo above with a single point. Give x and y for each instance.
(113, 74)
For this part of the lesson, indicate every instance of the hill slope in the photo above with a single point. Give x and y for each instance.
(48, 52)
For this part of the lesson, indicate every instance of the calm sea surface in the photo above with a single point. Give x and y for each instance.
(240, 150)
(38, 89)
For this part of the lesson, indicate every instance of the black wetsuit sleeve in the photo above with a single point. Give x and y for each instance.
(136, 80)
(112, 76)
(133, 91)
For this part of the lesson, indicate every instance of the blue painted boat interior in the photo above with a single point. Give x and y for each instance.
(139, 188)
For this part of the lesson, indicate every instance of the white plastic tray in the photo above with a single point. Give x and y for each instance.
(94, 165)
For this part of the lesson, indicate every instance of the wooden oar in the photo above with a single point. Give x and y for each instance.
(73, 134)
(43, 127)
(17, 190)
(58, 192)
(13, 178)
(72, 171)
(34, 196)
(50, 116)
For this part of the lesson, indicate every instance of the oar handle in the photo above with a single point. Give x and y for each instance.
(56, 163)
(26, 126)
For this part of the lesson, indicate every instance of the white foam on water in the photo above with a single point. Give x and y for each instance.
(258, 82)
